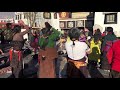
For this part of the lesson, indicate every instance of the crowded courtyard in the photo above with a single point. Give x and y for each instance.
(59, 45)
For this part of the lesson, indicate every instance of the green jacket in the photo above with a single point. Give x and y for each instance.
(51, 39)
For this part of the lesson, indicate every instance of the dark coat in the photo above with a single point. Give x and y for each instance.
(104, 62)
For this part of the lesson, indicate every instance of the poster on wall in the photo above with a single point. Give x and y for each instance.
(70, 24)
(64, 14)
(80, 23)
(62, 24)
(47, 15)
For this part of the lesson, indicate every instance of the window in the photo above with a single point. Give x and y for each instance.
(80, 23)
(70, 24)
(62, 24)
(16, 17)
(24, 16)
(20, 16)
(110, 18)
(55, 15)
(47, 15)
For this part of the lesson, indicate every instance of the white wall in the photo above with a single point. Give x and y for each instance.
(55, 22)
(99, 19)
(52, 21)
(40, 20)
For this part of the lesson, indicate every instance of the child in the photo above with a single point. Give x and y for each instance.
(94, 56)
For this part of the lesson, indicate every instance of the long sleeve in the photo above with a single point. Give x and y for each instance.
(56, 33)
(109, 55)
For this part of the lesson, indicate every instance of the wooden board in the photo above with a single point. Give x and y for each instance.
(47, 66)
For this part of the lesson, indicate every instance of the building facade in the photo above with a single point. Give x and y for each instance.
(108, 19)
(76, 19)
(41, 18)
(61, 20)
(7, 16)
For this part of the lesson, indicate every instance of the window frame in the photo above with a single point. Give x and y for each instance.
(115, 18)
(45, 17)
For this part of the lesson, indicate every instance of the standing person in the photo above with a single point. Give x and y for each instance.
(16, 61)
(8, 32)
(76, 50)
(98, 33)
(113, 56)
(94, 56)
(61, 64)
(47, 52)
(34, 42)
(108, 39)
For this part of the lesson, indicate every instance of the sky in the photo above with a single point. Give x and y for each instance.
(4, 15)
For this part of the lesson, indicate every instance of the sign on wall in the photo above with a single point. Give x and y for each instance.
(80, 23)
(70, 24)
(80, 14)
(62, 24)
(47, 15)
(64, 14)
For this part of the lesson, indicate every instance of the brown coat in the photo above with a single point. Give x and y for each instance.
(47, 66)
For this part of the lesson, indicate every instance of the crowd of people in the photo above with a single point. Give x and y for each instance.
(67, 54)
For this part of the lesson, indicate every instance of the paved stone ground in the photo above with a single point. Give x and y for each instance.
(30, 68)
(30, 65)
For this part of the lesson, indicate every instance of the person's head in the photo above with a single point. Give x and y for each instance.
(74, 34)
(98, 30)
(96, 38)
(17, 29)
(45, 31)
(9, 25)
(47, 25)
(109, 30)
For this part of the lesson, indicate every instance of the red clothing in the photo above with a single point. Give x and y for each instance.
(103, 34)
(113, 56)
(10, 53)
